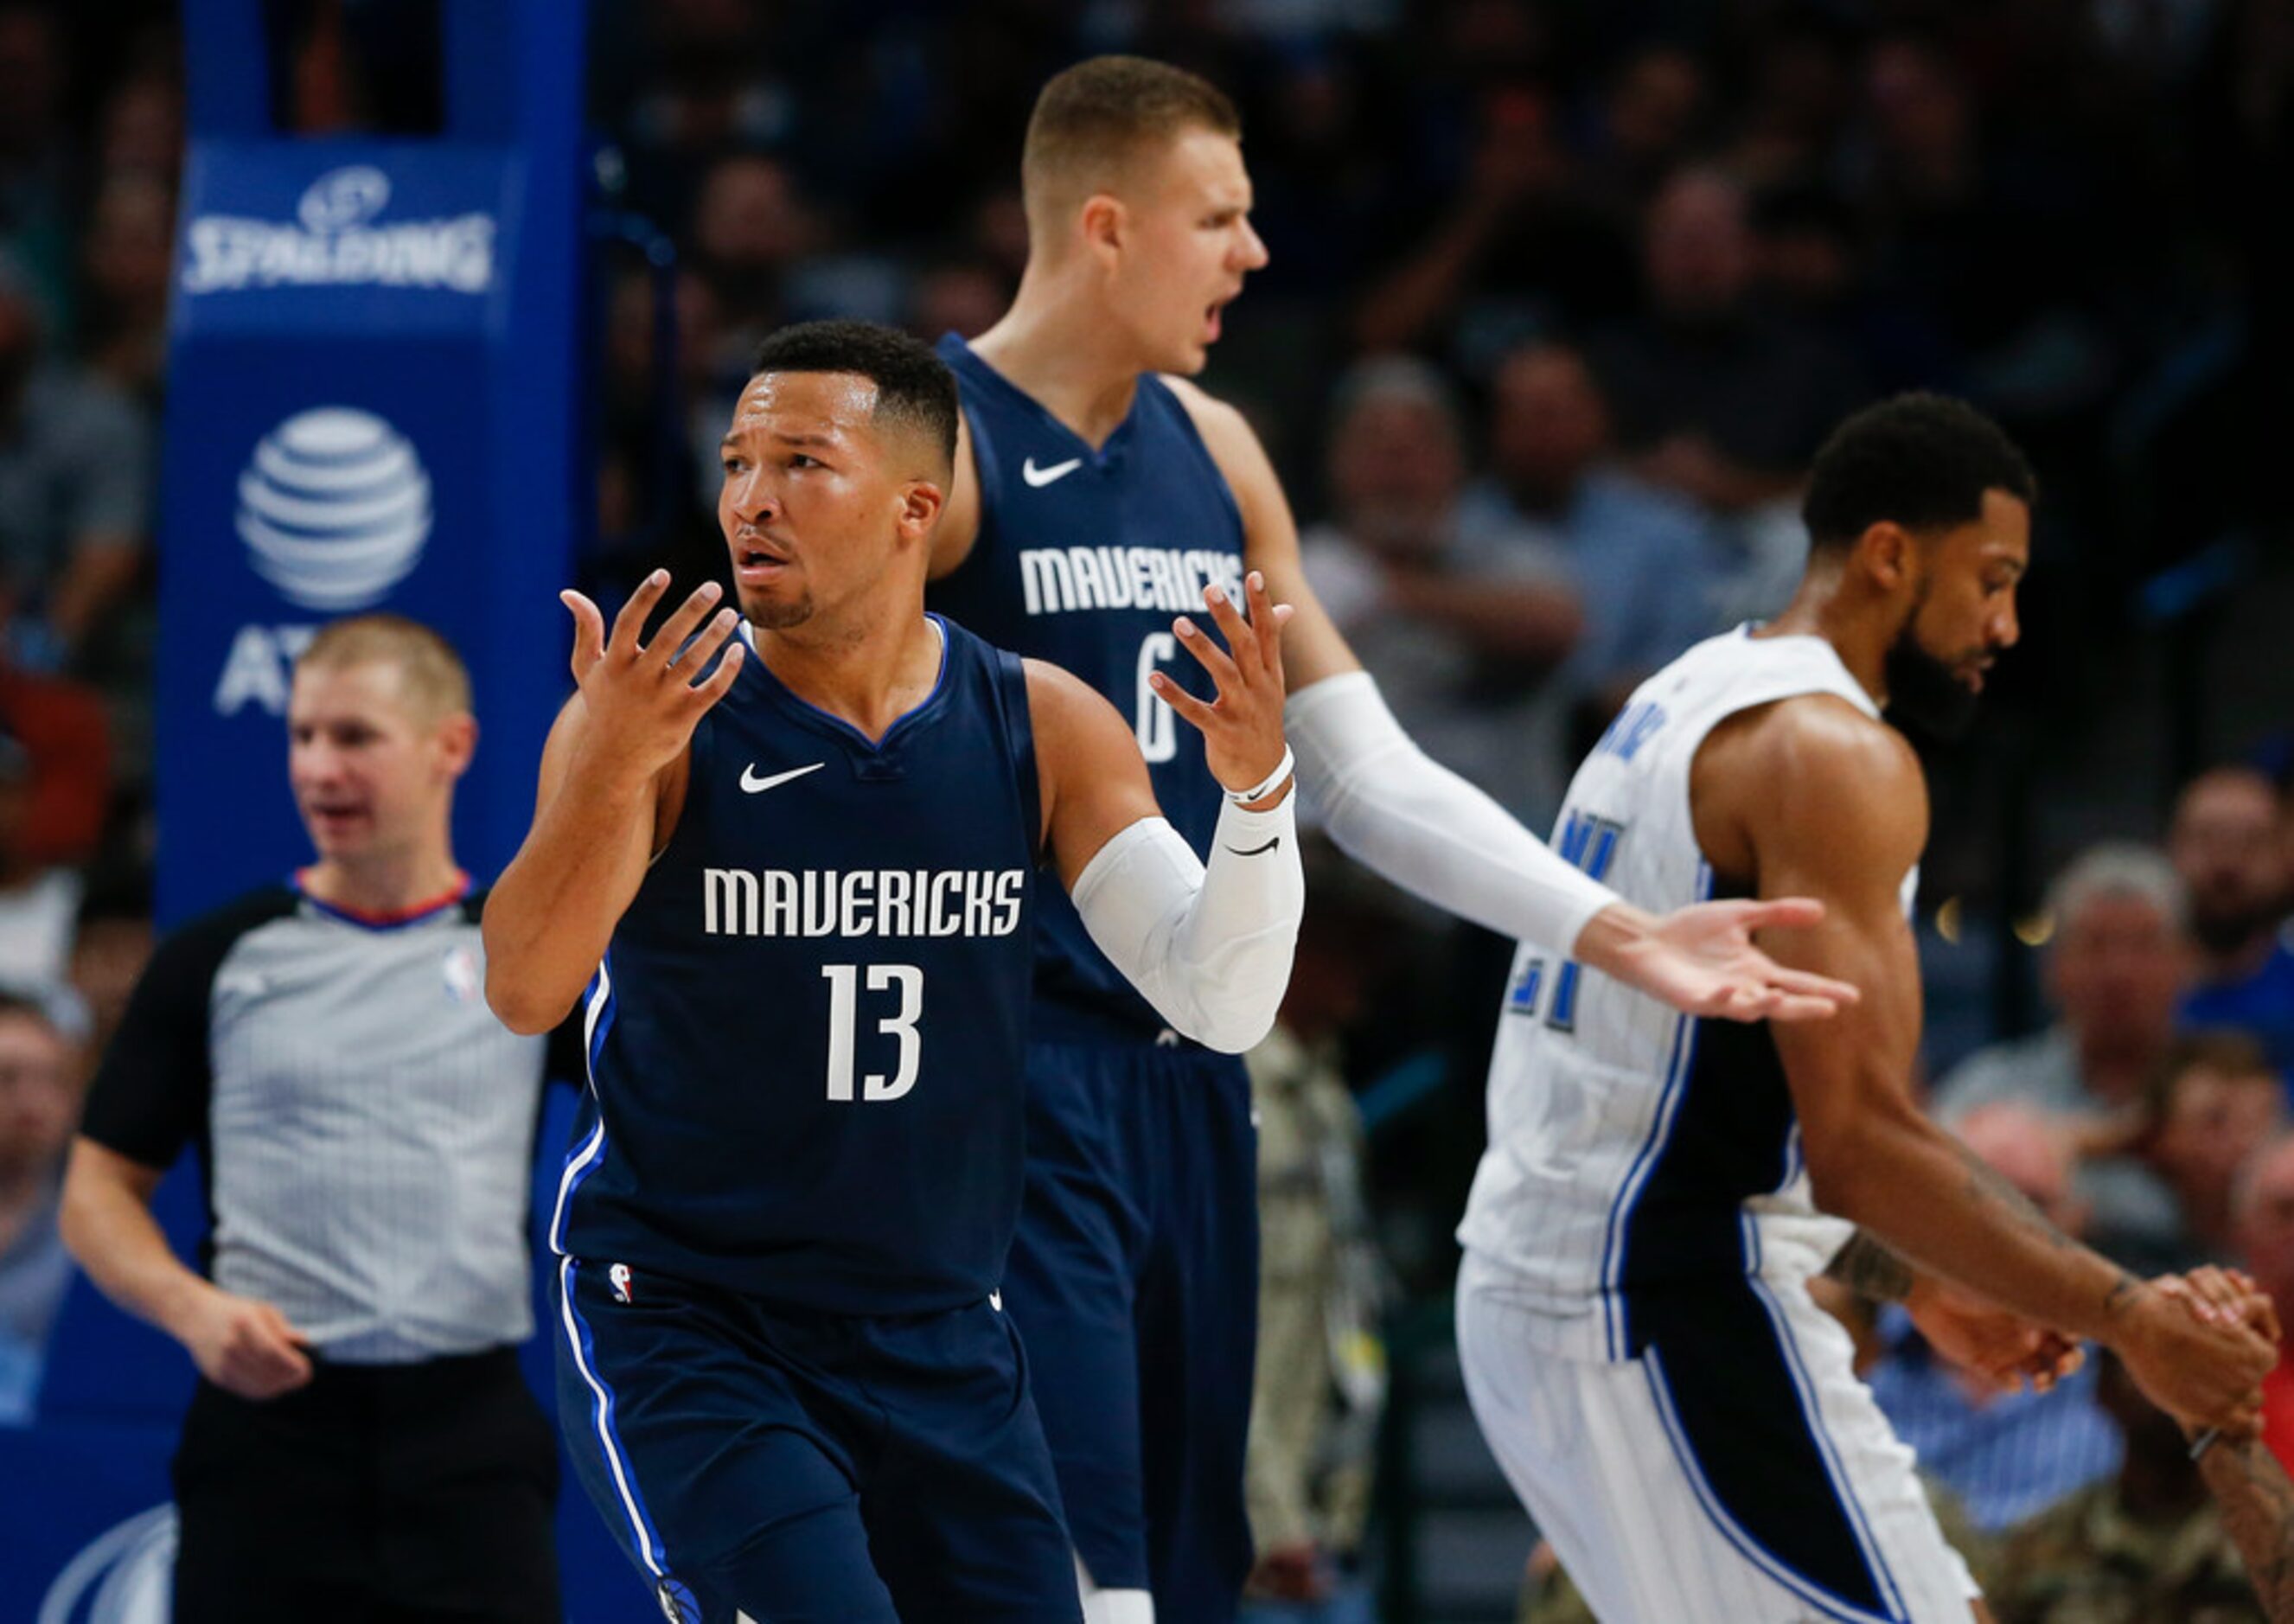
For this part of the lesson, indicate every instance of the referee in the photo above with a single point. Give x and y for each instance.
(361, 1445)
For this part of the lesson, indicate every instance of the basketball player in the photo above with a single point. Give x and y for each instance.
(1095, 490)
(799, 886)
(1633, 1319)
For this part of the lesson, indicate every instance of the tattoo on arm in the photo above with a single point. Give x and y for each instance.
(1986, 1184)
(1869, 1269)
(2258, 1507)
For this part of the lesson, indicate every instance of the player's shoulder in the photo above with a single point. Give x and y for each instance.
(1221, 423)
(1817, 740)
(1057, 695)
(1817, 766)
(1234, 449)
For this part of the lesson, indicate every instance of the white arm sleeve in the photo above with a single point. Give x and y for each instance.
(1210, 949)
(1392, 808)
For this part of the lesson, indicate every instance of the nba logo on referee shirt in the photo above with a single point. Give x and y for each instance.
(461, 971)
(618, 1277)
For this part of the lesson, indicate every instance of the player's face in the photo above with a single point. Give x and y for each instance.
(1962, 617)
(817, 500)
(372, 775)
(1186, 248)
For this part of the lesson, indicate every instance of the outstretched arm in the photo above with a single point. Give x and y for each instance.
(1209, 947)
(612, 774)
(1397, 812)
(1816, 799)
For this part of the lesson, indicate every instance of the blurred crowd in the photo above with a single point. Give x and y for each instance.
(1563, 296)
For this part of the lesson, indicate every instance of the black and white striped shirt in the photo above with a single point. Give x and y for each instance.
(365, 1124)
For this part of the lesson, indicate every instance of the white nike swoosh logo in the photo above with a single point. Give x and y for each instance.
(755, 785)
(1042, 477)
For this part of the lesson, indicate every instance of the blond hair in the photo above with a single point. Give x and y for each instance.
(431, 675)
(1093, 119)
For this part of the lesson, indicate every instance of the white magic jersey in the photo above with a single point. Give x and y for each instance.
(1632, 1150)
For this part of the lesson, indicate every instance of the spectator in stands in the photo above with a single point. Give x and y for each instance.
(2115, 968)
(2148, 1543)
(65, 737)
(362, 1443)
(752, 228)
(1520, 249)
(1717, 396)
(110, 948)
(1320, 1386)
(1554, 472)
(2263, 1213)
(2006, 1457)
(1457, 620)
(126, 263)
(40, 1074)
(2116, 963)
(39, 902)
(2229, 839)
(35, 158)
(75, 458)
(2217, 1101)
(1657, 103)
(141, 130)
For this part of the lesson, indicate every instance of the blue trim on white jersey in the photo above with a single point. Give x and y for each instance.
(1747, 1547)
(1844, 1487)
(1660, 1134)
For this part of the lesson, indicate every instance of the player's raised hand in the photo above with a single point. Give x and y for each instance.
(642, 699)
(1243, 726)
(1700, 959)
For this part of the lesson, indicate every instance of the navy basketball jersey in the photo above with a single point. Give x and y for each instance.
(806, 1035)
(1083, 559)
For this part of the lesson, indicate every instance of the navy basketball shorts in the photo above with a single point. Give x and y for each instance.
(1134, 1279)
(811, 1468)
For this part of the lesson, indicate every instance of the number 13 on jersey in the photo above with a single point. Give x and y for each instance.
(907, 982)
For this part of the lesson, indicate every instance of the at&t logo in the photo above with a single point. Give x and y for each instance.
(334, 508)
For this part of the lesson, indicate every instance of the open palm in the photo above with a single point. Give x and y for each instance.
(1702, 961)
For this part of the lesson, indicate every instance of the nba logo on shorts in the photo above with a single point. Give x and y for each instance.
(679, 1604)
(618, 1275)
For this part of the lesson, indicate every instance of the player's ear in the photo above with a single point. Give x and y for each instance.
(1885, 552)
(922, 502)
(1100, 223)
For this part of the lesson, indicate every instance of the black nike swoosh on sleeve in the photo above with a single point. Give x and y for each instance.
(1257, 851)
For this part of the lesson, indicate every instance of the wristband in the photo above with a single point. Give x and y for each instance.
(1273, 780)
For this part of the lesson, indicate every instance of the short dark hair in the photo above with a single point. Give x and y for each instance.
(2224, 1050)
(1094, 118)
(1920, 461)
(914, 386)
